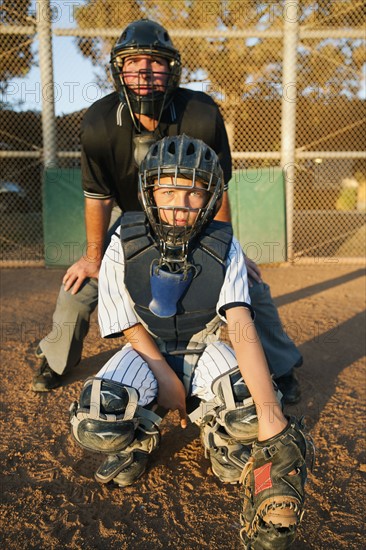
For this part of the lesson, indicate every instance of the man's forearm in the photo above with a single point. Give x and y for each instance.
(97, 218)
(224, 214)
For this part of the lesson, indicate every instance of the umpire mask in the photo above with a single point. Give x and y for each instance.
(146, 88)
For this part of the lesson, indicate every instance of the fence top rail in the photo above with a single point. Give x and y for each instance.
(236, 155)
(322, 32)
(17, 29)
(331, 154)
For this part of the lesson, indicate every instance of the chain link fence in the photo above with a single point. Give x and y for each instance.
(234, 51)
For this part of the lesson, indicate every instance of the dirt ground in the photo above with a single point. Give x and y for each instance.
(49, 499)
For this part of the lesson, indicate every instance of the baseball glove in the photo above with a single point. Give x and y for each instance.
(274, 479)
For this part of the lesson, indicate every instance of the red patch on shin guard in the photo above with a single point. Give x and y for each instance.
(262, 478)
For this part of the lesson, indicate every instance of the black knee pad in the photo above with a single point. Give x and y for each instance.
(232, 408)
(109, 420)
(105, 418)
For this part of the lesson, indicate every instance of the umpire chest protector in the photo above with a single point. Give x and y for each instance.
(197, 307)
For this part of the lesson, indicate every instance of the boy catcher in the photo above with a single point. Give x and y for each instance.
(169, 279)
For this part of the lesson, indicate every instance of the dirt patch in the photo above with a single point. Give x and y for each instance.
(49, 497)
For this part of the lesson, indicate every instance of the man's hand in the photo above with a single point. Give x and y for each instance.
(224, 214)
(172, 396)
(78, 272)
(97, 218)
(253, 271)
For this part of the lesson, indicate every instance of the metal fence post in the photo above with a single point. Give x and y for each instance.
(47, 83)
(288, 120)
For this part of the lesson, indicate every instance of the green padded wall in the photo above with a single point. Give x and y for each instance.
(257, 200)
(63, 216)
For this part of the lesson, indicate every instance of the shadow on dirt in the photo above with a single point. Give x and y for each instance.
(318, 287)
(325, 357)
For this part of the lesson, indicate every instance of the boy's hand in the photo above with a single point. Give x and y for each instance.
(172, 395)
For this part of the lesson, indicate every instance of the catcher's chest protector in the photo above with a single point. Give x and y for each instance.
(198, 305)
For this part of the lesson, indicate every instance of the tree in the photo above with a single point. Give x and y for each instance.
(244, 75)
(16, 57)
(104, 14)
(238, 68)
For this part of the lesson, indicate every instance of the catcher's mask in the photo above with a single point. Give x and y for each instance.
(146, 38)
(182, 167)
(189, 165)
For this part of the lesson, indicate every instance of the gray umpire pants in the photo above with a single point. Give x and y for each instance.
(64, 344)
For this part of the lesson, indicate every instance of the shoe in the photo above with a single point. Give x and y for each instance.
(133, 471)
(39, 353)
(225, 469)
(45, 378)
(290, 388)
(124, 468)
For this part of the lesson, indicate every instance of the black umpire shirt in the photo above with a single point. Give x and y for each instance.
(107, 132)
